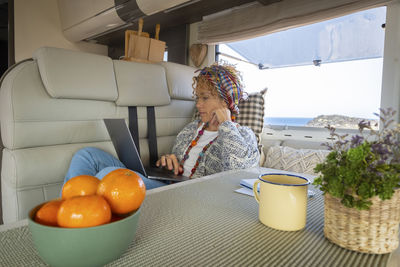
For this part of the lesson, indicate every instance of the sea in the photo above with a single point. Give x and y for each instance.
(286, 121)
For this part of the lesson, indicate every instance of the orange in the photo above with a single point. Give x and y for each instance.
(82, 185)
(123, 189)
(47, 214)
(84, 211)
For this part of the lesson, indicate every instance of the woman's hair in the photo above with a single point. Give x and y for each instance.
(203, 82)
(224, 81)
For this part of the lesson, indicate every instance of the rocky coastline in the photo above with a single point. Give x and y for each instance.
(339, 121)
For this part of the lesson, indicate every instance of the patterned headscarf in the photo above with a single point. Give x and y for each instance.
(226, 80)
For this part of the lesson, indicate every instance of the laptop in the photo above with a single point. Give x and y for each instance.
(129, 155)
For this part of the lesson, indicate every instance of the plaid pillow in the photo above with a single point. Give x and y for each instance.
(251, 113)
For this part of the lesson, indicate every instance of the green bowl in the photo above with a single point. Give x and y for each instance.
(91, 246)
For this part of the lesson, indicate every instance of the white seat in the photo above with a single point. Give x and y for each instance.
(54, 105)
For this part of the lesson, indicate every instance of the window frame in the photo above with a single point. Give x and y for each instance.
(390, 91)
(390, 87)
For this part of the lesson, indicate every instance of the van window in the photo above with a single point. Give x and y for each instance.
(165, 58)
(327, 72)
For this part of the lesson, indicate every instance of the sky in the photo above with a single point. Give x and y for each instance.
(351, 88)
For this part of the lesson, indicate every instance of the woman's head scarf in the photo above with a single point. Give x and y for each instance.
(226, 80)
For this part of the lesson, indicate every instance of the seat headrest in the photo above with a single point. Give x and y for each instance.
(180, 80)
(76, 75)
(141, 84)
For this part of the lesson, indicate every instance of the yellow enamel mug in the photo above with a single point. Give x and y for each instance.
(282, 200)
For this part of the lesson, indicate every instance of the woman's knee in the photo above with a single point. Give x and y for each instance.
(100, 175)
(88, 150)
(90, 154)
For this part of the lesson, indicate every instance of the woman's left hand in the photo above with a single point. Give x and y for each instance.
(170, 162)
(220, 115)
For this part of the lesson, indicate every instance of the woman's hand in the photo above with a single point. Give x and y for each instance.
(170, 161)
(220, 115)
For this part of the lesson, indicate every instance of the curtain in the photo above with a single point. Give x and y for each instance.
(254, 20)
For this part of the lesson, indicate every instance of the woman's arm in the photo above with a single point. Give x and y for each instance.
(183, 139)
(171, 161)
(238, 146)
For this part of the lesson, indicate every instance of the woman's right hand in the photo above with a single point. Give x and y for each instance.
(170, 161)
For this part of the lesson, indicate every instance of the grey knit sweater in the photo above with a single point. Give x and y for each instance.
(234, 148)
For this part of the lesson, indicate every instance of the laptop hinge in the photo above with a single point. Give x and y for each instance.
(152, 135)
(133, 126)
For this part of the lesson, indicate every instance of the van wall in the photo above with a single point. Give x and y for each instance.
(210, 58)
(37, 23)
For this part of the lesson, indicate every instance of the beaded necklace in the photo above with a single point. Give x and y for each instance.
(201, 154)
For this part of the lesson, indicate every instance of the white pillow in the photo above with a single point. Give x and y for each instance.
(295, 160)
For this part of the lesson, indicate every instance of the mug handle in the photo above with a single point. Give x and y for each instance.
(255, 191)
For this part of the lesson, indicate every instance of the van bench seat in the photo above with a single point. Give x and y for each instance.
(53, 105)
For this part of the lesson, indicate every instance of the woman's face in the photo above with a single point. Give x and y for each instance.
(206, 103)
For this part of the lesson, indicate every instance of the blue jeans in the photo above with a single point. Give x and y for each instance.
(96, 162)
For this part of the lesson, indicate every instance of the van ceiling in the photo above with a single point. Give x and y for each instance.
(175, 18)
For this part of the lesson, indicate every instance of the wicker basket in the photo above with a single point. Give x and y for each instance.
(370, 231)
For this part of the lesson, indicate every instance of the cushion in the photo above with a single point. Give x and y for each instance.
(180, 80)
(295, 160)
(76, 75)
(141, 84)
(252, 112)
(311, 143)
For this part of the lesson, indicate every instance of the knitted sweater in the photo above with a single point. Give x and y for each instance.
(234, 148)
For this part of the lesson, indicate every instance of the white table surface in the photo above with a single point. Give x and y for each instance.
(394, 260)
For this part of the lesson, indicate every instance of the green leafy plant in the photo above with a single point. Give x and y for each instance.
(364, 166)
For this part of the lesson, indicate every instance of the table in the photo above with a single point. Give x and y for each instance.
(204, 222)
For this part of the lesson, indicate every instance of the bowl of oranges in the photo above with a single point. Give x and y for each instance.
(93, 222)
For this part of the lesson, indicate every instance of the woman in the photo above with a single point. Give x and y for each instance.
(212, 144)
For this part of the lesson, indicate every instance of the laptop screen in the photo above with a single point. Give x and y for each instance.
(124, 145)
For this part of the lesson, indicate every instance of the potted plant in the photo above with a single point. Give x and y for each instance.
(360, 179)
